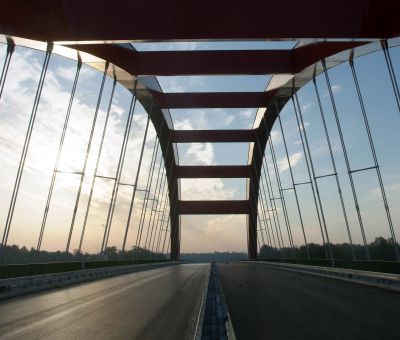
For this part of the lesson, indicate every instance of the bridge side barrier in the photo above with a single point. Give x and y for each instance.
(30, 284)
(371, 266)
(376, 279)
(18, 270)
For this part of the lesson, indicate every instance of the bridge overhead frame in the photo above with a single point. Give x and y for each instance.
(77, 25)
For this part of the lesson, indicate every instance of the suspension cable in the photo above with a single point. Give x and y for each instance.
(165, 158)
(148, 187)
(97, 164)
(342, 142)
(167, 196)
(165, 237)
(392, 74)
(162, 221)
(291, 176)
(153, 217)
(375, 158)
(121, 160)
(278, 180)
(156, 193)
(273, 204)
(277, 226)
(266, 219)
(158, 211)
(24, 152)
(335, 173)
(311, 173)
(137, 178)
(88, 148)
(60, 147)
(4, 72)
(262, 196)
(273, 209)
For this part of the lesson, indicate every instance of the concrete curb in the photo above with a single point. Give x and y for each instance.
(215, 319)
(31, 284)
(228, 323)
(373, 279)
(200, 319)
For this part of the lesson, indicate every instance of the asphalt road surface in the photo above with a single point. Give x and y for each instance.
(155, 304)
(266, 303)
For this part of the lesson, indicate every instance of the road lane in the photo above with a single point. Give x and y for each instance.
(267, 303)
(160, 303)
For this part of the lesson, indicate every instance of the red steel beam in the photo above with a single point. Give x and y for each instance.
(172, 63)
(213, 207)
(237, 62)
(215, 62)
(213, 171)
(212, 136)
(213, 99)
(121, 20)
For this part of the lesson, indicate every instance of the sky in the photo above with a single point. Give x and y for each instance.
(199, 233)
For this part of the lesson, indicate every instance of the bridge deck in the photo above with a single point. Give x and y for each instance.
(266, 303)
(156, 304)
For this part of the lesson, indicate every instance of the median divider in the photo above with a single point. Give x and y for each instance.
(22, 285)
(375, 279)
(214, 321)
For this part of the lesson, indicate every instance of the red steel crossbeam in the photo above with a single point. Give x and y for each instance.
(212, 136)
(213, 207)
(206, 171)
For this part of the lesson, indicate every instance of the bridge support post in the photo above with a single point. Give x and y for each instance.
(175, 238)
(252, 236)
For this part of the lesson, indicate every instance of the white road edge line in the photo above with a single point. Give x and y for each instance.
(230, 332)
(200, 318)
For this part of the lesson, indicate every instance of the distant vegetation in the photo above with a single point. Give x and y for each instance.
(380, 249)
(15, 255)
(213, 257)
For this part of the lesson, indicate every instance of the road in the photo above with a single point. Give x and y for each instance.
(156, 304)
(266, 303)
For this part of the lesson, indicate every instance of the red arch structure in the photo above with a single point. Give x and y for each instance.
(329, 31)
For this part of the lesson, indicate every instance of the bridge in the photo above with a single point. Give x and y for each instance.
(133, 133)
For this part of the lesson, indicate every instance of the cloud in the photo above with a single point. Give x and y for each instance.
(183, 124)
(67, 73)
(336, 88)
(283, 164)
(209, 189)
(306, 125)
(202, 153)
(249, 113)
(167, 46)
(228, 119)
(215, 233)
(276, 137)
(169, 84)
(183, 83)
(306, 106)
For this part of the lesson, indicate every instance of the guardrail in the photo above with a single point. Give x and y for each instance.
(373, 265)
(30, 284)
(17, 270)
(376, 279)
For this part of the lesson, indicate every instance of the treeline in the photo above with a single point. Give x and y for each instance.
(379, 249)
(16, 255)
(213, 257)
